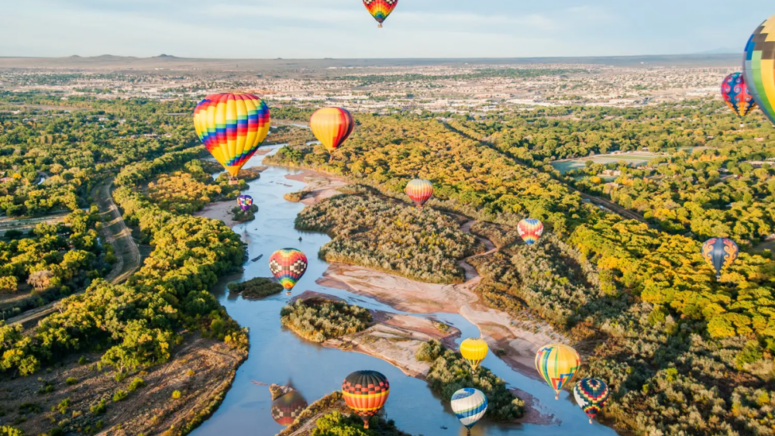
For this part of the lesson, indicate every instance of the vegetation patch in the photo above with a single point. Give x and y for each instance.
(318, 319)
(295, 197)
(377, 232)
(256, 288)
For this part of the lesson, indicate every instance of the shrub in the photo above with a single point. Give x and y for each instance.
(99, 408)
(136, 384)
(120, 395)
(71, 381)
(176, 394)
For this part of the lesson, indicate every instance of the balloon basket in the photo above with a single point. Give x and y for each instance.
(380, 26)
(234, 181)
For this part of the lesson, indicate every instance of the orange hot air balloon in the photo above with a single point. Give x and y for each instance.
(366, 392)
(420, 191)
(232, 126)
(332, 126)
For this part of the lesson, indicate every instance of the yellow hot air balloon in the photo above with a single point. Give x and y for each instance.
(332, 126)
(474, 351)
(557, 364)
(232, 126)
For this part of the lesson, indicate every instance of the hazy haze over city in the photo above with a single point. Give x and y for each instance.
(336, 28)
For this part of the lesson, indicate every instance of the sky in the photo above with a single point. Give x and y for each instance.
(343, 28)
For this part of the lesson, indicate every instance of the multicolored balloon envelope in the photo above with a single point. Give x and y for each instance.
(332, 126)
(759, 67)
(591, 395)
(286, 408)
(380, 9)
(530, 229)
(232, 126)
(365, 392)
(474, 351)
(288, 265)
(245, 201)
(719, 253)
(420, 191)
(736, 94)
(557, 364)
(469, 405)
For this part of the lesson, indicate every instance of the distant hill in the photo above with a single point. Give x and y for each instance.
(726, 50)
(112, 62)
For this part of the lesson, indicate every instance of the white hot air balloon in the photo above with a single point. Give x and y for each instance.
(469, 406)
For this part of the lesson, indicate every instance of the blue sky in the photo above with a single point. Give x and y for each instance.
(343, 28)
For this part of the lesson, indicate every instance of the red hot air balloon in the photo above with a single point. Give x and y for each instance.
(288, 407)
(366, 392)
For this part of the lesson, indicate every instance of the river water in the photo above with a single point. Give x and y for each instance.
(279, 356)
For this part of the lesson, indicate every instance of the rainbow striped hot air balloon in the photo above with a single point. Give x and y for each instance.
(474, 351)
(366, 392)
(232, 126)
(244, 202)
(736, 94)
(759, 67)
(719, 253)
(557, 364)
(469, 405)
(420, 191)
(380, 9)
(288, 265)
(530, 230)
(332, 126)
(591, 395)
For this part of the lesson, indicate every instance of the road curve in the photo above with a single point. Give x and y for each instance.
(115, 232)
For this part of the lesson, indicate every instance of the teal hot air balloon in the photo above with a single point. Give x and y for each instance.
(469, 405)
(759, 67)
(591, 395)
(719, 253)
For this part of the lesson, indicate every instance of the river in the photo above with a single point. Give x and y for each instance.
(279, 356)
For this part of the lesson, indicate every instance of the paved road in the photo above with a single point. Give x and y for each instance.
(116, 233)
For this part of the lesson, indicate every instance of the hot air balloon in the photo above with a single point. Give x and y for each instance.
(530, 230)
(380, 9)
(719, 253)
(288, 265)
(332, 126)
(365, 392)
(759, 67)
(474, 351)
(469, 406)
(557, 364)
(591, 395)
(245, 201)
(286, 408)
(419, 191)
(736, 94)
(232, 126)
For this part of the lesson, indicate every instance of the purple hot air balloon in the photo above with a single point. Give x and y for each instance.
(245, 201)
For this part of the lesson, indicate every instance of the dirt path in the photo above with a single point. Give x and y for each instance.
(115, 232)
